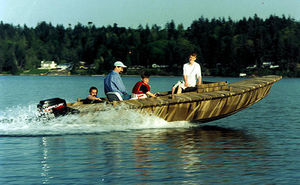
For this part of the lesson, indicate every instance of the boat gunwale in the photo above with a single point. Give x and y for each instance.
(222, 94)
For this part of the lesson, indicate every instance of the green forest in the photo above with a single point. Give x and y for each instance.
(224, 47)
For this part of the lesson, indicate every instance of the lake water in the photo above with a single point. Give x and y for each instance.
(259, 145)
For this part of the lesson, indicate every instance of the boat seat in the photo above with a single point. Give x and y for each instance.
(114, 96)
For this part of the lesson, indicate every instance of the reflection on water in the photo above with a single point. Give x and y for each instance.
(44, 164)
(205, 149)
(190, 155)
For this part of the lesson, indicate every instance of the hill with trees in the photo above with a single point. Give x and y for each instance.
(224, 47)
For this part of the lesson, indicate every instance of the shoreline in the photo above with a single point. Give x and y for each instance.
(126, 75)
(80, 75)
(130, 76)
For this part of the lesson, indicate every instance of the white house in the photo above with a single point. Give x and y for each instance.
(251, 67)
(48, 65)
(243, 74)
(64, 67)
(274, 66)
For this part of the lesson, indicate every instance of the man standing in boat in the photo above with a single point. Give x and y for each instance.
(114, 83)
(191, 74)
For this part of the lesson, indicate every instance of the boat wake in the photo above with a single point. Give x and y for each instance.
(24, 121)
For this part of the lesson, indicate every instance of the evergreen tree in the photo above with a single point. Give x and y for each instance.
(224, 47)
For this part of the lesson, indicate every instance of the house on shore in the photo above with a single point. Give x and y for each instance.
(64, 67)
(56, 69)
(48, 65)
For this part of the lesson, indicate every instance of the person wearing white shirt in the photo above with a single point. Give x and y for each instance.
(191, 74)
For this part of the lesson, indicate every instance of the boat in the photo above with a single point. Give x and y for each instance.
(211, 101)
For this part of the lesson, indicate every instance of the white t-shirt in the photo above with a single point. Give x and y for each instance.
(192, 72)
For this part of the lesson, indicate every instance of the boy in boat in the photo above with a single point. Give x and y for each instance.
(142, 88)
(114, 83)
(192, 76)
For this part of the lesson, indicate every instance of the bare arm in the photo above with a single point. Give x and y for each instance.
(185, 81)
(150, 94)
(93, 98)
(199, 80)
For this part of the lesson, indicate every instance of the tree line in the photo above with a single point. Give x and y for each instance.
(224, 47)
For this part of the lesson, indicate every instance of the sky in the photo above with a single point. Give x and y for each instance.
(132, 13)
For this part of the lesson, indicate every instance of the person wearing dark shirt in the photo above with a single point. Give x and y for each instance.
(93, 94)
(142, 88)
(92, 98)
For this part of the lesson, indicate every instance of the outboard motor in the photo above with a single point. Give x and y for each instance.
(54, 107)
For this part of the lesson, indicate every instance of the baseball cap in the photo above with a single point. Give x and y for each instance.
(119, 64)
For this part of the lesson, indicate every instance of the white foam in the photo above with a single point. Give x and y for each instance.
(22, 121)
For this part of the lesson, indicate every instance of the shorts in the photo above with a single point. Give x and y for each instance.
(190, 89)
(138, 96)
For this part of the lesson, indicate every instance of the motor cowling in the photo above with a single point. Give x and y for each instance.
(53, 107)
